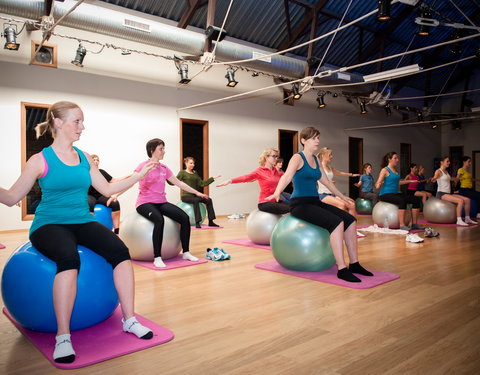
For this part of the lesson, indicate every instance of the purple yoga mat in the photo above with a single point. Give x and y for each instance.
(425, 222)
(176, 262)
(204, 227)
(248, 243)
(330, 276)
(99, 343)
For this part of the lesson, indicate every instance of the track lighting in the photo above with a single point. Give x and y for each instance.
(80, 55)
(230, 76)
(434, 125)
(296, 94)
(383, 10)
(183, 71)
(388, 109)
(419, 116)
(363, 108)
(456, 48)
(424, 30)
(321, 100)
(10, 35)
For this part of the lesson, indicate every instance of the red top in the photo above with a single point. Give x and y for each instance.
(267, 179)
(413, 185)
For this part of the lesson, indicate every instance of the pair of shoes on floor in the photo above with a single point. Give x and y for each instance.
(234, 216)
(217, 254)
(413, 238)
(430, 232)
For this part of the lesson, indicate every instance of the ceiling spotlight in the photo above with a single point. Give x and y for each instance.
(80, 55)
(419, 116)
(434, 125)
(183, 71)
(321, 100)
(388, 109)
(230, 76)
(456, 48)
(296, 94)
(424, 30)
(11, 38)
(383, 10)
(363, 107)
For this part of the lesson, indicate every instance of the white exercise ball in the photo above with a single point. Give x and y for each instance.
(260, 226)
(385, 213)
(439, 211)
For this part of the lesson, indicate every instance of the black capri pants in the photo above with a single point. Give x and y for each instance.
(324, 215)
(154, 212)
(401, 200)
(277, 208)
(92, 201)
(58, 242)
(193, 199)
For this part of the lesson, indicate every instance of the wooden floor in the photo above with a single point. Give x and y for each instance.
(230, 318)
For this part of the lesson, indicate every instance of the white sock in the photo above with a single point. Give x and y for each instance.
(63, 352)
(478, 215)
(132, 325)
(189, 257)
(461, 222)
(158, 262)
(468, 220)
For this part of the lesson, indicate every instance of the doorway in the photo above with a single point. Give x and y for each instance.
(355, 164)
(288, 146)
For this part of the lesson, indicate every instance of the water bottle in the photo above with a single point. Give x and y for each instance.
(385, 222)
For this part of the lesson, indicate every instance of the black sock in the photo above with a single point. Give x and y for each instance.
(212, 224)
(357, 268)
(198, 225)
(346, 275)
(116, 230)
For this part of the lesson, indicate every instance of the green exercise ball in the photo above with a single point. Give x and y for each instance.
(188, 208)
(363, 206)
(301, 246)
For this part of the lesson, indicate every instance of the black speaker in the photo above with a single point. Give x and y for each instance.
(212, 33)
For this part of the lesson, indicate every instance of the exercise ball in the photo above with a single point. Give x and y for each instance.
(137, 234)
(260, 226)
(300, 246)
(363, 206)
(188, 208)
(103, 214)
(384, 213)
(440, 211)
(27, 283)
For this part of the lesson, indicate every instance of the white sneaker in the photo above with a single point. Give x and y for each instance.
(234, 216)
(470, 221)
(413, 238)
(462, 223)
(361, 235)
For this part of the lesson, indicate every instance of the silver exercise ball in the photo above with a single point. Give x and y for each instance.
(260, 226)
(384, 212)
(137, 234)
(439, 211)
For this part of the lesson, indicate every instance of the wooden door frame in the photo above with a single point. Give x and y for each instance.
(295, 139)
(360, 159)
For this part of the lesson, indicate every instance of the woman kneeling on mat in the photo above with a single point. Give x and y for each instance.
(267, 176)
(192, 179)
(442, 177)
(152, 202)
(305, 170)
(62, 220)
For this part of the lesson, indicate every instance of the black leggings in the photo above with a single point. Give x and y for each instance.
(154, 212)
(277, 208)
(59, 243)
(324, 215)
(92, 201)
(193, 199)
(401, 200)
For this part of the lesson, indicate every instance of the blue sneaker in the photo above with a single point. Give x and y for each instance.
(214, 254)
(226, 256)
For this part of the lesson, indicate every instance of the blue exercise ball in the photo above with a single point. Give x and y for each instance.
(363, 206)
(103, 214)
(188, 208)
(300, 246)
(27, 283)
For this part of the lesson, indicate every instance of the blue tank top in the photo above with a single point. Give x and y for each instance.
(390, 183)
(64, 192)
(305, 179)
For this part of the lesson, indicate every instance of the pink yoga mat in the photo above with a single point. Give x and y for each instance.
(330, 276)
(99, 343)
(248, 243)
(2, 246)
(176, 262)
(204, 227)
(425, 222)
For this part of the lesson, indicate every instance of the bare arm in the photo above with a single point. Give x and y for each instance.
(294, 164)
(331, 186)
(436, 176)
(32, 171)
(345, 174)
(381, 178)
(182, 185)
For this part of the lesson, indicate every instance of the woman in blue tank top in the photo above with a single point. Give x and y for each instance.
(305, 170)
(62, 220)
(388, 182)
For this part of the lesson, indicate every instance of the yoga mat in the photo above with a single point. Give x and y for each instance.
(99, 343)
(425, 222)
(204, 227)
(176, 262)
(330, 276)
(248, 243)
(2, 246)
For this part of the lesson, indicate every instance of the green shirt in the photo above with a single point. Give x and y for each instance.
(193, 180)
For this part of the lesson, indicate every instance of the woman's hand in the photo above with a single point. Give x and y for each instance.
(273, 196)
(215, 177)
(201, 195)
(224, 183)
(113, 198)
(147, 168)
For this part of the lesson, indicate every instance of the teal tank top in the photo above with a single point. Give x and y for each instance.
(64, 192)
(305, 179)
(390, 183)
